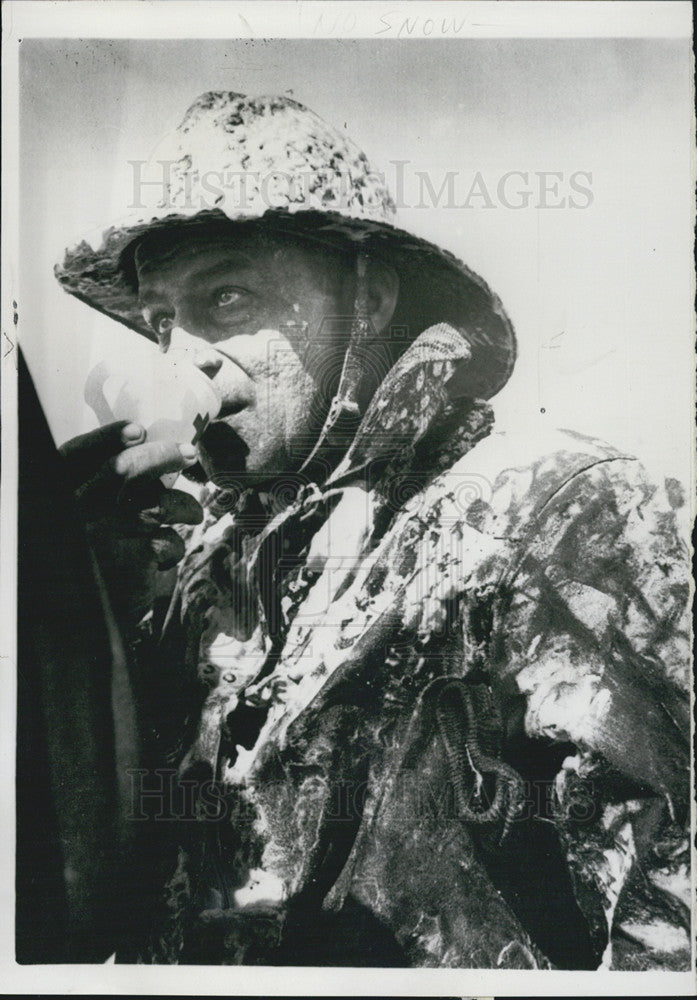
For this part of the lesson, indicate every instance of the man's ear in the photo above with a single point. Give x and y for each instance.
(383, 292)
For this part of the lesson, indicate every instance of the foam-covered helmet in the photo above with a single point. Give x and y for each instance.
(272, 162)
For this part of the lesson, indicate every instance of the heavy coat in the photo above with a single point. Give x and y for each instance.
(354, 807)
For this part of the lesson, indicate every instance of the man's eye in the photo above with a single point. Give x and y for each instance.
(162, 324)
(226, 297)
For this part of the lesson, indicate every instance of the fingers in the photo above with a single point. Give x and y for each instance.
(129, 471)
(132, 523)
(153, 505)
(85, 454)
(115, 474)
(178, 507)
(152, 459)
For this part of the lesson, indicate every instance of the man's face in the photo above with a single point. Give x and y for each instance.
(259, 316)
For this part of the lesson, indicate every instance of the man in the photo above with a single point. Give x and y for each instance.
(416, 692)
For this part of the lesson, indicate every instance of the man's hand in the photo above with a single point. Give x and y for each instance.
(115, 474)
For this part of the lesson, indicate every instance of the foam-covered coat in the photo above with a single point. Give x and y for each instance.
(292, 686)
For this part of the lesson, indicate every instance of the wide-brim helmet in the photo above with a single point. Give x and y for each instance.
(271, 162)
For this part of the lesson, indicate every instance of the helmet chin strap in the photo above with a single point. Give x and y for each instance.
(344, 410)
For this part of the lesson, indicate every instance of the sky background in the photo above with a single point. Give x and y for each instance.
(601, 297)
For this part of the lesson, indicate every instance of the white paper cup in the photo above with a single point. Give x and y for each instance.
(164, 393)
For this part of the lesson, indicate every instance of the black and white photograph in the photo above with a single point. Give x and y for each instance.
(348, 489)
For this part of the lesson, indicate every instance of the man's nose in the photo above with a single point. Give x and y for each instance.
(199, 352)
